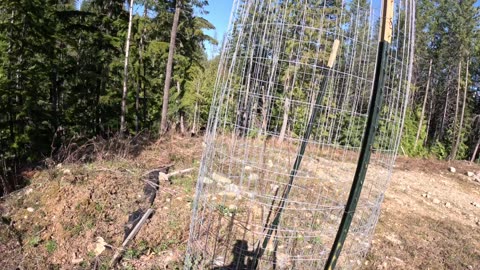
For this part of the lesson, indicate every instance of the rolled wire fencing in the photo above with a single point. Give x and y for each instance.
(295, 82)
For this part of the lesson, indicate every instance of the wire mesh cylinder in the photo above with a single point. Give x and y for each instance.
(273, 60)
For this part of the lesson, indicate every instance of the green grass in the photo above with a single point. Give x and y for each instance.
(51, 246)
(34, 241)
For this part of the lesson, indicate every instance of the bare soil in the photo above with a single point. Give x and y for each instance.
(428, 220)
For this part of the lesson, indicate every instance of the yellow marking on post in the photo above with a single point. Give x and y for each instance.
(387, 25)
(333, 55)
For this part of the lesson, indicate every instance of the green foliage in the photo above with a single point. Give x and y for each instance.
(62, 71)
(51, 246)
(409, 143)
(439, 150)
(34, 241)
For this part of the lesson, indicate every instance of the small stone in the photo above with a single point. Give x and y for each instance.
(436, 201)
(28, 191)
(219, 261)
(99, 246)
(452, 169)
(274, 187)
(167, 200)
(470, 174)
(67, 172)
(162, 177)
(30, 209)
(253, 177)
(476, 204)
(220, 178)
(207, 181)
(426, 195)
(59, 165)
(232, 208)
(77, 260)
(228, 194)
(448, 205)
(249, 195)
(270, 163)
(248, 168)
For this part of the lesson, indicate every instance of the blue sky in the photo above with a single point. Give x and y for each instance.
(219, 16)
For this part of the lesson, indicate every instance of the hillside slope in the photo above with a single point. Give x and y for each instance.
(430, 218)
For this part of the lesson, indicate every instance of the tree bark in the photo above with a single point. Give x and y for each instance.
(444, 114)
(286, 110)
(475, 152)
(194, 126)
(181, 113)
(427, 89)
(141, 70)
(459, 133)
(454, 134)
(123, 127)
(168, 74)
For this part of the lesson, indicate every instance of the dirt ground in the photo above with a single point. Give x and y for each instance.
(430, 218)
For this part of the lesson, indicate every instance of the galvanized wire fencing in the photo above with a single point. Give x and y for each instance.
(296, 92)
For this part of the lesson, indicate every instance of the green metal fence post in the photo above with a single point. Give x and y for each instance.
(368, 138)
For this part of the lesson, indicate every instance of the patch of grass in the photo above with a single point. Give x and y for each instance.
(34, 241)
(165, 245)
(132, 253)
(99, 207)
(187, 183)
(317, 241)
(84, 264)
(51, 246)
(128, 267)
(226, 211)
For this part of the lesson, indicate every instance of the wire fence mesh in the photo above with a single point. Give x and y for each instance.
(274, 59)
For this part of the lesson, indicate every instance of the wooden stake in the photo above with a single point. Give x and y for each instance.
(132, 234)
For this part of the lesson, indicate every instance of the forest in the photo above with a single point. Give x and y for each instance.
(104, 71)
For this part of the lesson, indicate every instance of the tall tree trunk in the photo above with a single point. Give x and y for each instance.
(455, 130)
(427, 89)
(442, 127)
(123, 126)
(286, 110)
(168, 74)
(137, 106)
(181, 114)
(459, 133)
(475, 152)
(141, 70)
(194, 126)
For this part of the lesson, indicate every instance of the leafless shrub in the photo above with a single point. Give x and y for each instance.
(81, 149)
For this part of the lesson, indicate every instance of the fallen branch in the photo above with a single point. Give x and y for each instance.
(180, 172)
(132, 234)
(157, 170)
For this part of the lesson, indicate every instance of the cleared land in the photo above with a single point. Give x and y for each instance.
(430, 218)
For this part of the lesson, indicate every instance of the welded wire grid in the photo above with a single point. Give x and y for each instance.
(273, 60)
